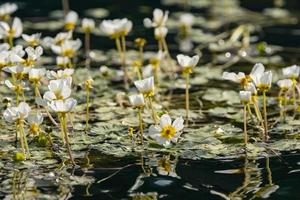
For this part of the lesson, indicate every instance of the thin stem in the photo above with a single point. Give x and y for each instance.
(66, 7)
(64, 127)
(21, 137)
(11, 41)
(123, 60)
(153, 111)
(139, 73)
(141, 125)
(87, 109)
(24, 138)
(156, 79)
(265, 115)
(87, 43)
(141, 54)
(258, 113)
(269, 171)
(245, 125)
(160, 46)
(294, 96)
(187, 97)
(46, 109)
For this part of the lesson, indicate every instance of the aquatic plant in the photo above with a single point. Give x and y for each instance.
(138, 102)
(166, 132)
(117, 29)
(18, 115)
(187, 63)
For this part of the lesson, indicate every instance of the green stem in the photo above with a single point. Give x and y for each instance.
(87, 109)
(265, 115)
(21, 136)
(141, 125)
(11, 41)
(64, 127)
(38, 94)
(24, 138)
(153, 111)
(122, 57)
(87, 38)
(245, 125)
(187, 97)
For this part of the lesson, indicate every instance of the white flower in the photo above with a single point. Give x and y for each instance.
(68, 48)
(137, 100)
(251, 88)
(188, 63)
(166, 132)
(159, 19)
(186, 20)
(11, 114)
(35, 119)
(63, 106)
(242, 78)
(71, 20)
(4, 59)
(20, 87)
(60, 74)
(145, 86)
(291, 72)
(59, 39)
(245, 97)
(33, 54)
(285, 84)
(87, 24)
(263, 81)
(58, 90)
(17, 70)
(4, 47)
(257, 70)
(62, 61)
(116, 28)
(14, 31)
(32, 40)
(160, 32)
(36, 74)
(7, 9)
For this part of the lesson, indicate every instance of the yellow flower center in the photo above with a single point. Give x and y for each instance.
(245, 81)
(68, 53)
(149, 94)
(34, 128)
(263, 87)
(69, 26)
(187, 70)
(168, 132)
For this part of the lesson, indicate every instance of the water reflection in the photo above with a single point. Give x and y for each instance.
(254, 184)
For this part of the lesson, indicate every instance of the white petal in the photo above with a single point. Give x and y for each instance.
(165, 120)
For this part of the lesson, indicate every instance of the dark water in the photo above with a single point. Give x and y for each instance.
(204, 179)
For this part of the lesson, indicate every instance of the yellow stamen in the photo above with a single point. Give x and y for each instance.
(168, 132)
